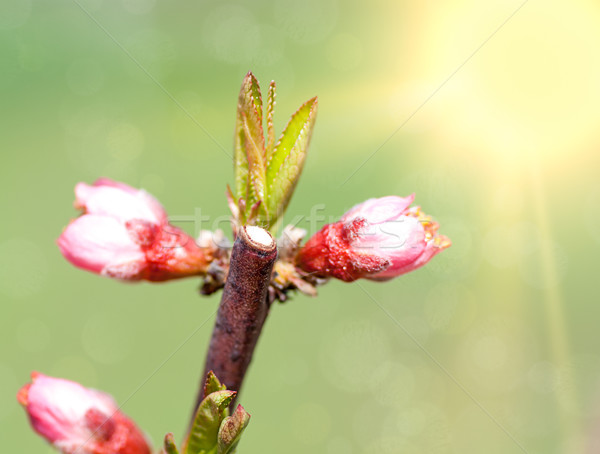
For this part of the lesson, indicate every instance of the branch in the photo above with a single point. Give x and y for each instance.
(243, 308)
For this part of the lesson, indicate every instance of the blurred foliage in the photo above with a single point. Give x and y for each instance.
(504, 155)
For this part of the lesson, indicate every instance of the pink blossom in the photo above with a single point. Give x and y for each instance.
(119, 201)
(77, 419)
(378, 239)
(124, 233)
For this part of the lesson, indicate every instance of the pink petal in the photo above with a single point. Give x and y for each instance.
(380, 209)
(153, 204)
(103, 181)
(119, 201)
(93, 242)
(401, 241)
(132, 270)
(428, 253)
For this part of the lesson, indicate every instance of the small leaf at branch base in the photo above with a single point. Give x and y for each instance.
(253, 214)
(233, 206)
(212, 384)
(170, 447)
(286, 162)
(231, 430)
(203, 434)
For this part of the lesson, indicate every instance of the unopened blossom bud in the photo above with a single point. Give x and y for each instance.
(79, 420)
(124, 233)
(378, 239)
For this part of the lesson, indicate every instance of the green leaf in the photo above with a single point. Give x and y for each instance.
(170, 447)
(233, 207)
(256, 214)
(266, 172)
(256, 160)
(202, 438)
(286, 162)
(212, 384)
(250, 105)
(270, 125)
(231, 430)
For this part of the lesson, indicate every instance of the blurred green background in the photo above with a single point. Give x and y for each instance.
(504, 154)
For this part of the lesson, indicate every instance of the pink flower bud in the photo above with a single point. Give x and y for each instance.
(79, 420)
(124, 233)
(378, 239)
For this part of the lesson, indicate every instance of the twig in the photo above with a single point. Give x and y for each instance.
(243, 309)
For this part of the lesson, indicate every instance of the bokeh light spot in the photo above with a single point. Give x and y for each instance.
(139, 6)
(107, 338)
(232, 34)
(9, 387)
(76, 368)
(33, 335)
(85, 77)
(23, 268)
(14, 13)
(344, 52)
(350, 351)
(125, 142)
(311, 423)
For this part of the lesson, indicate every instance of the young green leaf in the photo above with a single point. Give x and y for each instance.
(212, 384)
(202, 438)
(270, 125)
(240, 161)
(285, 164)
(256, 159)
(231, 430)
(254, 214)
(250, 104)
(233, 207)
(170, 447)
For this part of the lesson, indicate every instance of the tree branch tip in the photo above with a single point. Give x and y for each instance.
(259, 237)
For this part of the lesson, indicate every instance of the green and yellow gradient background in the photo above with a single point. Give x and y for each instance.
(505, 154)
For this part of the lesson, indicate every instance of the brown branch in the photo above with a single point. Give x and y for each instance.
(243, 309)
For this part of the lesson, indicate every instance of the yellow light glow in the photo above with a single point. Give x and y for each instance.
(534, 86)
